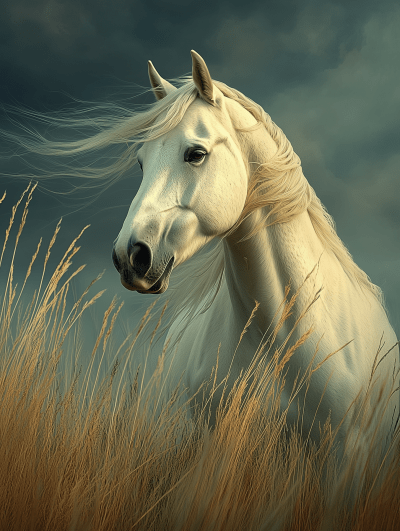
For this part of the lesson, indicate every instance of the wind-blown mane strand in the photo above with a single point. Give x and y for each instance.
(113, 125)
(278, 183)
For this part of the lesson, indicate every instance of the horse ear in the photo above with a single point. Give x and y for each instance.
(161, 87)
(202, 78)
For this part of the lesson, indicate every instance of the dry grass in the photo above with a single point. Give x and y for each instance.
(80, 459)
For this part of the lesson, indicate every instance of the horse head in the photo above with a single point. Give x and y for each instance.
(194, 184)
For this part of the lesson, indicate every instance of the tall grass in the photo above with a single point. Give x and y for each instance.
(102, 455)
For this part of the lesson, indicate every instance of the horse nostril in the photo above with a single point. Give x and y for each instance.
(115, 260)
(140, 257)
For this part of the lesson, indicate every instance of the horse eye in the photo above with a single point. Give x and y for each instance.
(195, 154)
(141, 167)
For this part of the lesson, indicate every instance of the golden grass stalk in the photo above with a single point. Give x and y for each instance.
(84, 459)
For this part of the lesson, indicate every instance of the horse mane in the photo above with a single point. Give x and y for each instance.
(278, 183)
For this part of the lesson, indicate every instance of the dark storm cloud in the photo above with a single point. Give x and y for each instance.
(346, 123)
(79, 46)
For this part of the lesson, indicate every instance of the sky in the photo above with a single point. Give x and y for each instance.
(326, 72)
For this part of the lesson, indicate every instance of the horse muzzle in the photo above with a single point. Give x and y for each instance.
(138, 273)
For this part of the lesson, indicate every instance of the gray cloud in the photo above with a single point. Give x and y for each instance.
(345, 123)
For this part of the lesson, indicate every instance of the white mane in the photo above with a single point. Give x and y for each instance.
(278, 183)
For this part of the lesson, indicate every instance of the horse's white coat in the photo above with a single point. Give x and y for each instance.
(181, 206)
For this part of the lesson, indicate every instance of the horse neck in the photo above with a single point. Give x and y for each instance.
(259, 268)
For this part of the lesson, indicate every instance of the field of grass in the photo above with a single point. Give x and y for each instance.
(91, 455)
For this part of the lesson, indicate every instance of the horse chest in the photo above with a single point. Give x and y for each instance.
(211, 336)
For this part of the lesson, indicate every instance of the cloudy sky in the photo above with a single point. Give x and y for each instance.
(327, 72)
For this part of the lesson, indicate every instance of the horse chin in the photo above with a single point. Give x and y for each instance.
(162, 283)
(159, 287)
(154, 290)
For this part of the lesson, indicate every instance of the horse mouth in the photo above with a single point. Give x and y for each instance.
(161, 284)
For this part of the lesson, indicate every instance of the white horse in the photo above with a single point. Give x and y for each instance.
(216, 166)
